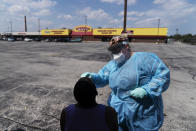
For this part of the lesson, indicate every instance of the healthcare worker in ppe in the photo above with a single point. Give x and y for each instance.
(137, 80)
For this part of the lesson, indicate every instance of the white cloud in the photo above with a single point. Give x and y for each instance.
(170, 12)
(42, 4)
(66, 16)
(15, 9)
(172, 9)
(43, 12)
(99, 17)
(46, 23)
(34, 7)
(135, 13)
(119, 2)
(159, 1)
(149, 22)
(2, 6)
(132, 13)
(99, 14)
(115, 21)
(33, 4)
(132, 18)
(32, 23)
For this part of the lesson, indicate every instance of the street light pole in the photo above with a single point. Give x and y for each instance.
(158, 30)
(25, 21)
(10, 26)
(177, 31)
(85, 23)
(38, 25)
(125, 17)
(85, 20)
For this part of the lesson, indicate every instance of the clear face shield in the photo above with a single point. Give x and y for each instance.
(117, 51)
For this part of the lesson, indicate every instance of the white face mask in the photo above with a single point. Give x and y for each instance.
(125, 43)
(119, 58)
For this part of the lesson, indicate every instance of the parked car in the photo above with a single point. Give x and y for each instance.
(19, 39)
(10, 39)
(76, 40)
(37, 39)
(61, 40)
(28, 39)
(4, 38)
(47, 40)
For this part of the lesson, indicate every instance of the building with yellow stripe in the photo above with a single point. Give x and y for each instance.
(134, 34)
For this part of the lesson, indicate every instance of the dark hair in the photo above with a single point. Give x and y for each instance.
(85, 91)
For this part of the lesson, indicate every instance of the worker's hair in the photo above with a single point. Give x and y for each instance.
(85, 92)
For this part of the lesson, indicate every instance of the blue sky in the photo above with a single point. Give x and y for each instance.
(173, 14)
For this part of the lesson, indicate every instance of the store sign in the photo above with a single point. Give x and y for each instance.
(47, 32)
(57, 32)
(107, 31)
(21, 33)
(82, 29)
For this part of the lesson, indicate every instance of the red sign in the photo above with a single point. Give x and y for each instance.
(82, 29)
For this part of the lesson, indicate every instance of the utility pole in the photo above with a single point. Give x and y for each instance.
(158, 30)
(125, 17)
(25, 22)
(39, 25)
(177, 31)
(10, 26)
(85, 19)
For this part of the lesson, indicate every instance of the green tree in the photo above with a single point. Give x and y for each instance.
(177, 37)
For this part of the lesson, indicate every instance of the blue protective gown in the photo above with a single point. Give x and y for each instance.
(142, 69)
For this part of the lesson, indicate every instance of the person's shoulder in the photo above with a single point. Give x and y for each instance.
(107, 108)
(68, 108)
(110, 110)
(111, 64)
(145, 53)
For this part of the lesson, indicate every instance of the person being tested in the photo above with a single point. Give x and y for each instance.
(137, 80)
(87, 115)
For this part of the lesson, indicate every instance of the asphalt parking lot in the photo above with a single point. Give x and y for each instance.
(37, 78)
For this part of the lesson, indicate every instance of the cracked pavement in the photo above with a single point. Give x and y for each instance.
(37, 79)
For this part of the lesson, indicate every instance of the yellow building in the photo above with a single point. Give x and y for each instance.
(148, 31)
(131, 31)
(134, 34)
(105, 34)
(107, 31)
(55, 32)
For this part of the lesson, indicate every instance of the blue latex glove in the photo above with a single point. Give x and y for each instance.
(138, 93)
(86, 74)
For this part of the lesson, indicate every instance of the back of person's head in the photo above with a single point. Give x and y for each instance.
(85, 92)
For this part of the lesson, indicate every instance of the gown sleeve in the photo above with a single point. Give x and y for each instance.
(101, 78)
(160, 78)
